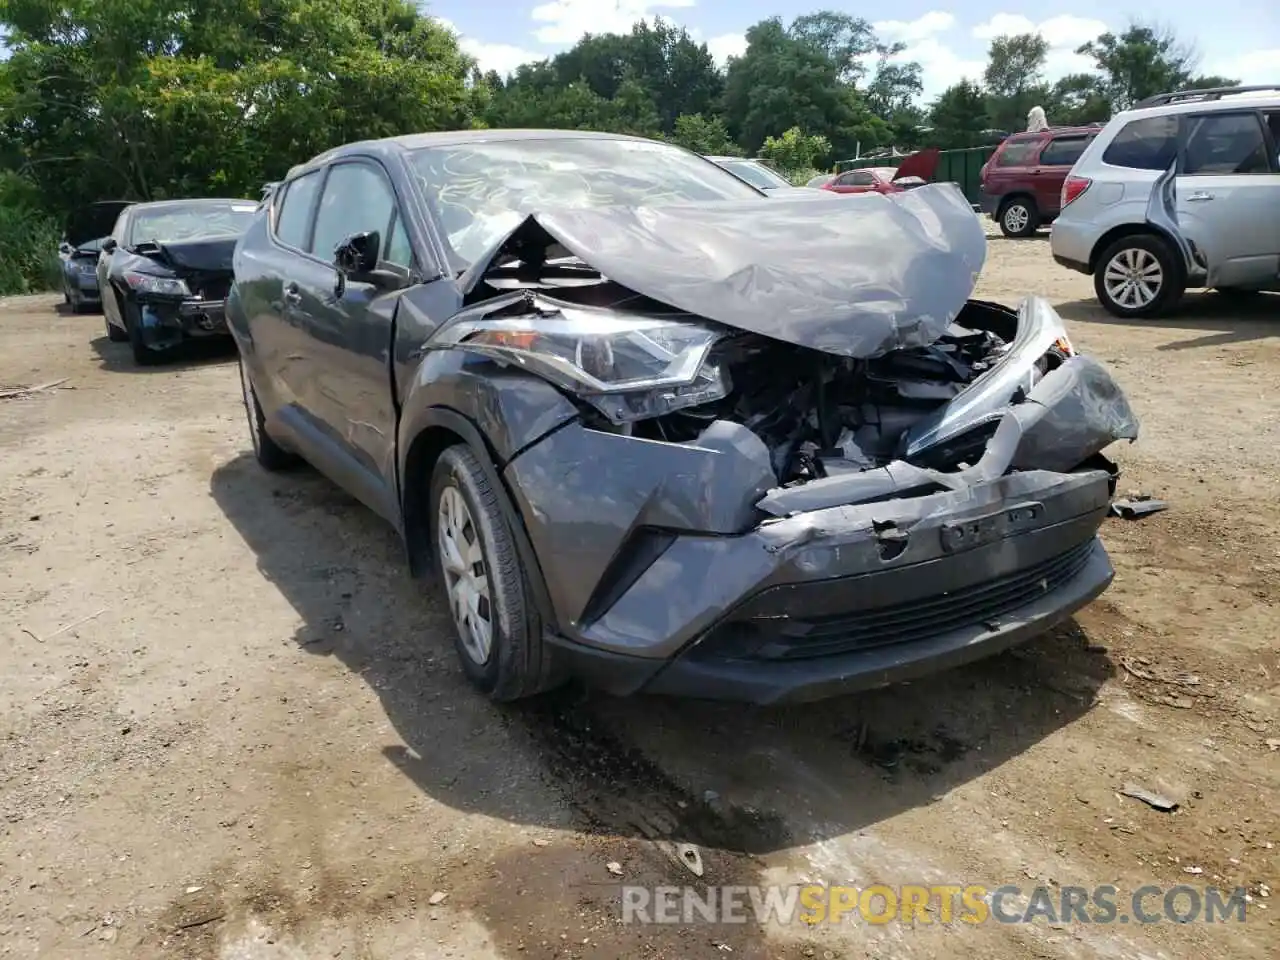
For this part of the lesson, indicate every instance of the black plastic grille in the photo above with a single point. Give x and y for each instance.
(920, 619)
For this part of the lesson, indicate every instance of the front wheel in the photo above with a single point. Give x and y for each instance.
(1019, 218)
(1138, 277)
(498, 634)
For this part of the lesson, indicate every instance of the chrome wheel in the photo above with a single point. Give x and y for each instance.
(466, 574)
(1016, 218)
(1133, 278)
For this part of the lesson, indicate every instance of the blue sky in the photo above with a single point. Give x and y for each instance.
(1237, 38)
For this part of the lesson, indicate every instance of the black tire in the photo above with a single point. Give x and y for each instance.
(1135, 252)
(114, 333)
(1018, 217)
(269, 454)
(143, 355)
(518, 663)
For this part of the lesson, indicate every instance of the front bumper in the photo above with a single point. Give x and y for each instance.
(988, 203)
(847, 599)
(166, 322)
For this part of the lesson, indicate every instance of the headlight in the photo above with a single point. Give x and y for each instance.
(628, 367)
(149, 283)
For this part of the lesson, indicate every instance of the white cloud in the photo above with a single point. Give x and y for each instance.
(502, 57)
(1255, 67)
(727, 45)
(940, 65)
(567, 20)
(931, 23)
(1064, 34)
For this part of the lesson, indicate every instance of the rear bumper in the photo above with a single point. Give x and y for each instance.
(1072, 241)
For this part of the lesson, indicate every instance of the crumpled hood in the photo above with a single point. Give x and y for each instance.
(206, 255)
(856, 276)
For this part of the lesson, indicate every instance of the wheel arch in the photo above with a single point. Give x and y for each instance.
(437, 429)
(1018, 194)
(1128, 230)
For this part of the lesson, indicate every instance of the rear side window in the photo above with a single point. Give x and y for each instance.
(294, 216)
(1225, 143)
(1018, 154)
(1150, 143)
(1064, 151)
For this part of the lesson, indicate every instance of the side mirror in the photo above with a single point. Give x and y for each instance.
(65, 247)
(109, 245)
(358, 254)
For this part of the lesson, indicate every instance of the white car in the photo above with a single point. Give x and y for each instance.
(1181, 191)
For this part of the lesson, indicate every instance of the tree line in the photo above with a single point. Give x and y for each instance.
(153, 99)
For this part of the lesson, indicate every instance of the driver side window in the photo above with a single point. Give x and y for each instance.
(357, 199)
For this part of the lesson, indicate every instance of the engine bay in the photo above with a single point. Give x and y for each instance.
(822, 415)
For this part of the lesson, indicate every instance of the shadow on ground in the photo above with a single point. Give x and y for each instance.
(724, 776)
(1219, 319)
(118, 358)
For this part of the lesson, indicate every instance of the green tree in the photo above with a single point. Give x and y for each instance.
(843, 39)
(1014, 80)
(959, 116)
(1142, 61)
(795, 151)
(704, 135)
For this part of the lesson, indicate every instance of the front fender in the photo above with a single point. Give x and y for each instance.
(511, 409)
(452, 397)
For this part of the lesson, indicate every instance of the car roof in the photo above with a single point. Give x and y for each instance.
(738, 159)
(409, 142)
(1240, 101)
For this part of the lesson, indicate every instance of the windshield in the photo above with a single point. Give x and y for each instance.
(482, 191)
(191, 221)
(756, 174)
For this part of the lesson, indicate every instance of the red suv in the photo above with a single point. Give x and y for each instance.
(1022, 182)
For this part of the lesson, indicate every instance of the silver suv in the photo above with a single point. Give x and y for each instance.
(1181, 191)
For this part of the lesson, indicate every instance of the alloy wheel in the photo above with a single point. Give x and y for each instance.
(466, 574)
(1016, 218)
(1133, 278)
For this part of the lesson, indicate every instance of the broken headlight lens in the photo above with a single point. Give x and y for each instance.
(150, 283)
(627, 367)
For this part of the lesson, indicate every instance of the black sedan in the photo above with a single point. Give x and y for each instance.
(82, 237)
(165, 270)
(665, 435)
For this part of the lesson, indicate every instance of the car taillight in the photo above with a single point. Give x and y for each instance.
(1073, 187)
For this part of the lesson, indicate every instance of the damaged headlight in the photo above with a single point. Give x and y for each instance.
(627, 367)
(150, 283)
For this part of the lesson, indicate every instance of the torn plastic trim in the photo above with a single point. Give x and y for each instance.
(1072, 414)
(988, 397)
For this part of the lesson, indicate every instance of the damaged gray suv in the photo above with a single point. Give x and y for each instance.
(658, 432)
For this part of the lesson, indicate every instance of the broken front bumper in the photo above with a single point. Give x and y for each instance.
(855, 597)
(167, 322)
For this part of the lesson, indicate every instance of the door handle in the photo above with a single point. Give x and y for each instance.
(292, 293)
(1198, 196)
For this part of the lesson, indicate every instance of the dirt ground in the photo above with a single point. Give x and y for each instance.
(232, 727)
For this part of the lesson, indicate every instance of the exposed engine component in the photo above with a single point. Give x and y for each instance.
(822, 415)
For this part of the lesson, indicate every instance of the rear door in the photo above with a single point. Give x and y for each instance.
(270, 284)
(1057, 157)
(1011, 171)
(1228, 195)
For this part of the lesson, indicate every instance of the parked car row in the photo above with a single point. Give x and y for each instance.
(1182, 191)
(651, 429)
(160, 272)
